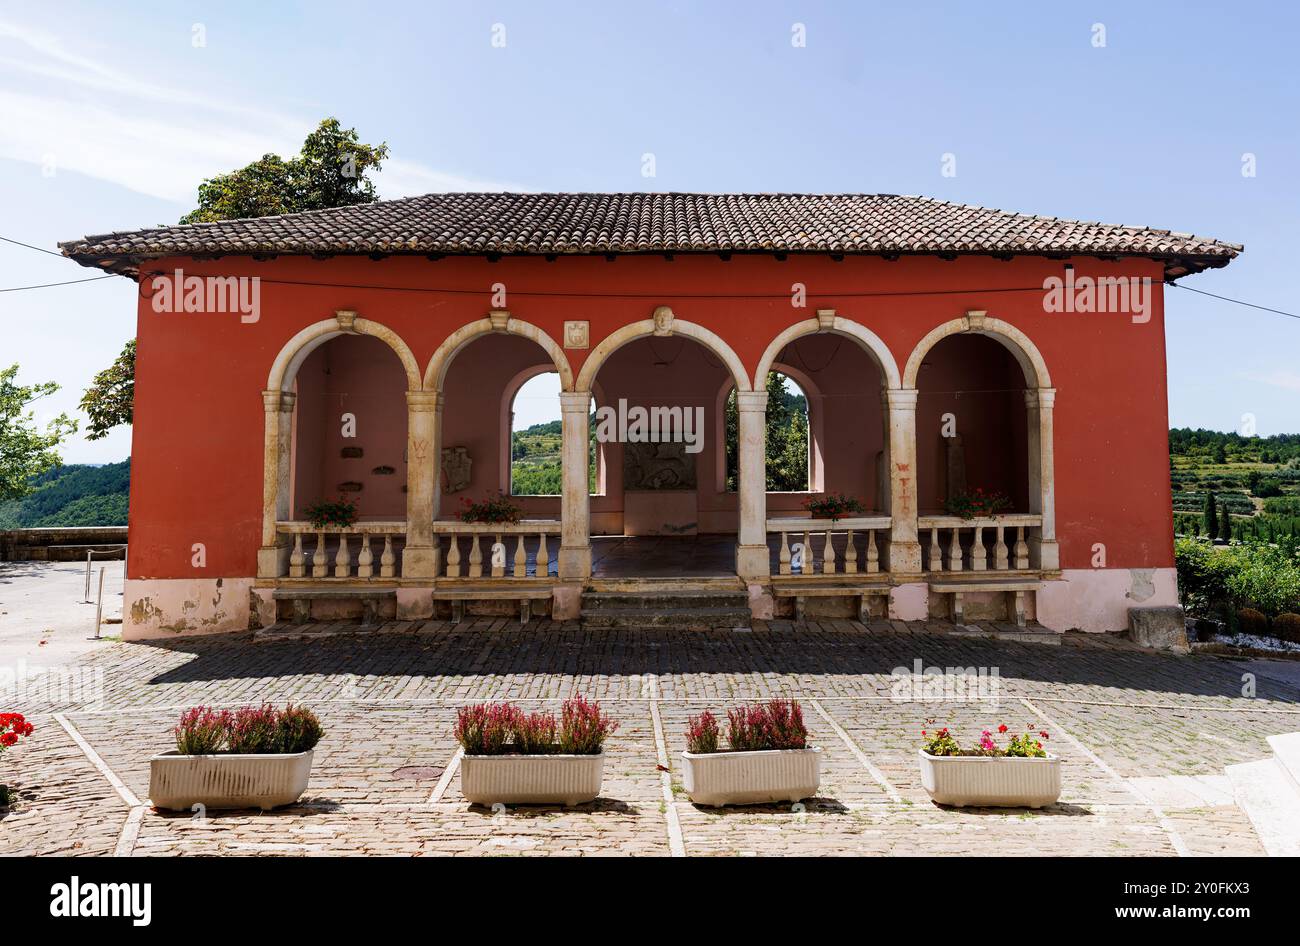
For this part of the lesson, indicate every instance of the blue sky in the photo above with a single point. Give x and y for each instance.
(112, 115)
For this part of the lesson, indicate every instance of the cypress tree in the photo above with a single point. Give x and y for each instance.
(1225, 524)
(1211, 515)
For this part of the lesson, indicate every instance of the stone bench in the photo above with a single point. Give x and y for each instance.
(524, 596)
(1016, 588)
(800, 592)
(303, 597)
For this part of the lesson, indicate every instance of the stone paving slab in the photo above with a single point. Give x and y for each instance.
(1126, 722)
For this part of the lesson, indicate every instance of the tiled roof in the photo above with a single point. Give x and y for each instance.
(588, 223)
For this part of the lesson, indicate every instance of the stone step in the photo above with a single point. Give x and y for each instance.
(1265, 792)
(611, 601)
(1286, 750)
(681, 618)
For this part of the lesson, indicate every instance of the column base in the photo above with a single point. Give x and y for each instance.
(575, 562)
(273, 561)
(1046, 553)
(566, 602)
(419, 561)
(753, 561)
(414, 604)
(904, 557)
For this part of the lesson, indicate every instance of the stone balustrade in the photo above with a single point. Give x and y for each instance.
(463, 555)
(310, 557)
(814, 552)
(995, 543)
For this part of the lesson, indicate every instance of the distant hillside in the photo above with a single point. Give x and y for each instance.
(1256, 478)
(76, 495)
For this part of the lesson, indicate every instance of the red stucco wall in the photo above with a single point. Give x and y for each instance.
(197, 457)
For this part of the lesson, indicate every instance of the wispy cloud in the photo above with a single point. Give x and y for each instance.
(1281, 378)
(87, 116)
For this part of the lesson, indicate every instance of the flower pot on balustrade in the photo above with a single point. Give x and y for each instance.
(515, 779)
(974, 781)
(716, 779)
(228, 780)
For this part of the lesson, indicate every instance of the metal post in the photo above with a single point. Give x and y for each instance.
(99, 605)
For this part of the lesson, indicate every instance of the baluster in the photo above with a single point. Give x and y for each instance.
(343, 560)
(1022, 549)
(387, 560)
(498, 563)
(783, 557)
(475, 557)
(365, 561)
(453, 556)
(954, 551)
(296, 569)
(933, 556)
(521, 559)
(828, 555)
(873, 554)
(851, 554)
(318, 567)
(978, 554)
(543, 558)
(999, 549)
(806, 562)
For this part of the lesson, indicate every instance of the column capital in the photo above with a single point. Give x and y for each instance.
(751, 400)
(287, 400)
(903, 399)
(575, 402)
(423, 401)
(271, 400)
(1040, 397)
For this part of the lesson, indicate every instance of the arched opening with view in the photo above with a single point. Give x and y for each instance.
(793, 431)
(535, 445)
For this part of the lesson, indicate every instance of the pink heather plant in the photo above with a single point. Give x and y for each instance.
(201, 731)
(702, 733)
(583, 727)
(535, 733)
(486, 728)
(777, 724)
(254, 729)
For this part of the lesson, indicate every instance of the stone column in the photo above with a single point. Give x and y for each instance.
(904, 548)
(751, 547)
(423, 472)
(1045, 553)
(277, 406)
(575, 538)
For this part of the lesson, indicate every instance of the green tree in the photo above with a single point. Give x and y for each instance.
(110, 400)
(1210, 517)
(786, 432)
(329, 172)
(25, 450)
(1225, 523)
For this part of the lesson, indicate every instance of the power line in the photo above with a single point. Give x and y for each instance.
(38, 249)
(1249, 305)
(50, 285)
(635, 295)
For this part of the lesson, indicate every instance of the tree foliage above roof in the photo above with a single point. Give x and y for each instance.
(330, 172)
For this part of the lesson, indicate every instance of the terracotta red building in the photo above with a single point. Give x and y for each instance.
(373, 352)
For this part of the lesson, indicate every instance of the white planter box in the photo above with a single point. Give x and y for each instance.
(531, 779)
(751, 778)
(178, 782)
(991, 782)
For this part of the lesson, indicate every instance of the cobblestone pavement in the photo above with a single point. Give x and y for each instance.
(1133, 728)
